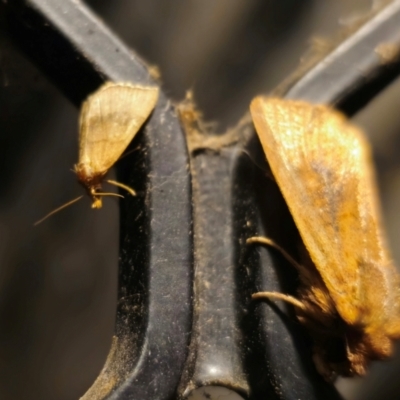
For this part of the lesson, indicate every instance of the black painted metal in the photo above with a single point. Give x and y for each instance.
(217, 342)
(257, 349)
(73, 47)
(155, 281)
(355, 71)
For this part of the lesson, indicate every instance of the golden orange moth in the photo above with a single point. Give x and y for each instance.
(109, 120)
(349, 296)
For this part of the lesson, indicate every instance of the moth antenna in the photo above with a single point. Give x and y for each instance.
(269, 242)
(57, 210)
(280, 296)
(268, 173)
(128, 153)
(122, 186)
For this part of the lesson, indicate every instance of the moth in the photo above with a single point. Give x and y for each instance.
(349, 295)
(109, 120)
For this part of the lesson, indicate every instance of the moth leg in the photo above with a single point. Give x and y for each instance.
(280, 296)
(108, 194)
(122, 186)
(269, 242)
(96, 197)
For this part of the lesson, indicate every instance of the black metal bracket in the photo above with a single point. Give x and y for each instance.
(159, 350)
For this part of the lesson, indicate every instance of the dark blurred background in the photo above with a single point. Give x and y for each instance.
(58, 281)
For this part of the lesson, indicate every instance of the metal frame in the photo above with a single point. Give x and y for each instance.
(160, 351)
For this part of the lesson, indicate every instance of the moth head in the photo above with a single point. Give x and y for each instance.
(91, 182)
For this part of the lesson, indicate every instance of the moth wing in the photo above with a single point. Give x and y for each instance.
(322, 165)
(110, 118)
